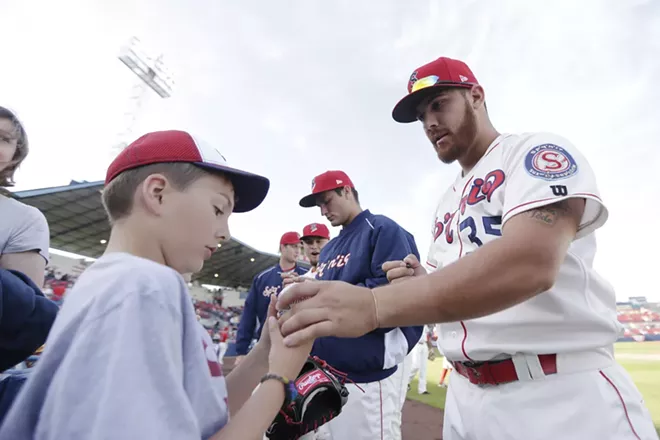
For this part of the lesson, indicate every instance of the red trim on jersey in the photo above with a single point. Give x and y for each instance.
(380, 388)
(623, 403)
(432, 265)
(551, 198)
(465, 333)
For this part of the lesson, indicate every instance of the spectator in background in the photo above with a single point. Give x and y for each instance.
(24, 234)
(265, 284)
(26, 315)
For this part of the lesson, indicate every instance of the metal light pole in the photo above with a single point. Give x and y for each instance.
(151, 74)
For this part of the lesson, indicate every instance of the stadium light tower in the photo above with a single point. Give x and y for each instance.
(151, 73)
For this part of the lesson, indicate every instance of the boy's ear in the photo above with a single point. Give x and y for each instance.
(151, 192)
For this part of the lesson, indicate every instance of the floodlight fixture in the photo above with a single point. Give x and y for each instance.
(149, 69)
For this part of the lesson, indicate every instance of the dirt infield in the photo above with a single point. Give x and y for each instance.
(421, 422)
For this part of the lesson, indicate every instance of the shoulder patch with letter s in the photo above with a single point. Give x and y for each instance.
(550, 162)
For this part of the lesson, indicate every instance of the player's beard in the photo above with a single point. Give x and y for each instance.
(463, 138)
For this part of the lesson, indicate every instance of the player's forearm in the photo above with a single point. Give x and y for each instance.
(242, 381)
(251, 422)
(499, 275)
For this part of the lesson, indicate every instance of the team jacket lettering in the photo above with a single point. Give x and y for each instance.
(519, 173)
(356, 256)
(265, 284)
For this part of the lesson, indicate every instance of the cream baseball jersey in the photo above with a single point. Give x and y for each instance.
(520, 172)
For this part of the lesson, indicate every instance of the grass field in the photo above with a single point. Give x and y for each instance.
(641, 359)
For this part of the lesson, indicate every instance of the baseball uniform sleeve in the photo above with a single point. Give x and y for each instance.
(248, 321)
(544, 169)
(390, 243)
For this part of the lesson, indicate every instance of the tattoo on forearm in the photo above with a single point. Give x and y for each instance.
(551, 214)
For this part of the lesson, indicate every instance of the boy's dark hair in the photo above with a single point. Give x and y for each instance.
(7, 175)
(353, 190)
(118, 194)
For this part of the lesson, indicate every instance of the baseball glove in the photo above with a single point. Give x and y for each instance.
(321, 394)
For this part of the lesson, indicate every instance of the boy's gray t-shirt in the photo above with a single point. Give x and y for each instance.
(125, 359)
(23, 228)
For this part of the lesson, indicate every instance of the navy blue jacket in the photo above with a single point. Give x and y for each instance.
(356, 256)
(26, 317)
(268, 282)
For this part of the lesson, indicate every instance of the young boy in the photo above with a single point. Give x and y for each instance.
(126, 357)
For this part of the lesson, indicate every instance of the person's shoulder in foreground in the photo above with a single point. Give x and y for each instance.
(127, 357)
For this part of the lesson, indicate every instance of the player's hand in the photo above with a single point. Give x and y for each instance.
(402, 270)
(325, 308)
(283, 360)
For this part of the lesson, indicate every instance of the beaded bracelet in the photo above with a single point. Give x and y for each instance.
(290, 390)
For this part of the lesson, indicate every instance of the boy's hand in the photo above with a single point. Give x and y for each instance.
(264, 341)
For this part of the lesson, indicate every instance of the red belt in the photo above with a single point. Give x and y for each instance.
(500, 372)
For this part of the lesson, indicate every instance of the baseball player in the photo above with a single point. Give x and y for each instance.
(356, 256)
(314, 238)
(527, 323)
(223, 344)
(420, 360)
(265, 284)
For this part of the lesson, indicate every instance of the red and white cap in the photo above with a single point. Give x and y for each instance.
(179, 146)
(290, 238)
(424, 82)
(315, 230)
(325, 182)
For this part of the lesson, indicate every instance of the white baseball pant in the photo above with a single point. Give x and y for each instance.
(367, 415)
(590, 400)
(419, 365)
(222, 350)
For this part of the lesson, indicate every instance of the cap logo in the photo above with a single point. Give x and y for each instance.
(313, 184)
(313, 228)
(463, 78)
(339, 182)
(412, 80)
(425, 82)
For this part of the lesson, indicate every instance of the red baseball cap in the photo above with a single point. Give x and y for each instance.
(290, 238)
(443, 72)
(316, 230)
(325, 182)
(180, 146)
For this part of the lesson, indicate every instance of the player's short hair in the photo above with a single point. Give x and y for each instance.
(119, 193)
(465, 94)
(7, 175)
(353, 190)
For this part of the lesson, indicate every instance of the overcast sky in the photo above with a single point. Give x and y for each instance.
(290, 89)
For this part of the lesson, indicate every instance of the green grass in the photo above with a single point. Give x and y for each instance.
(645, 374)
